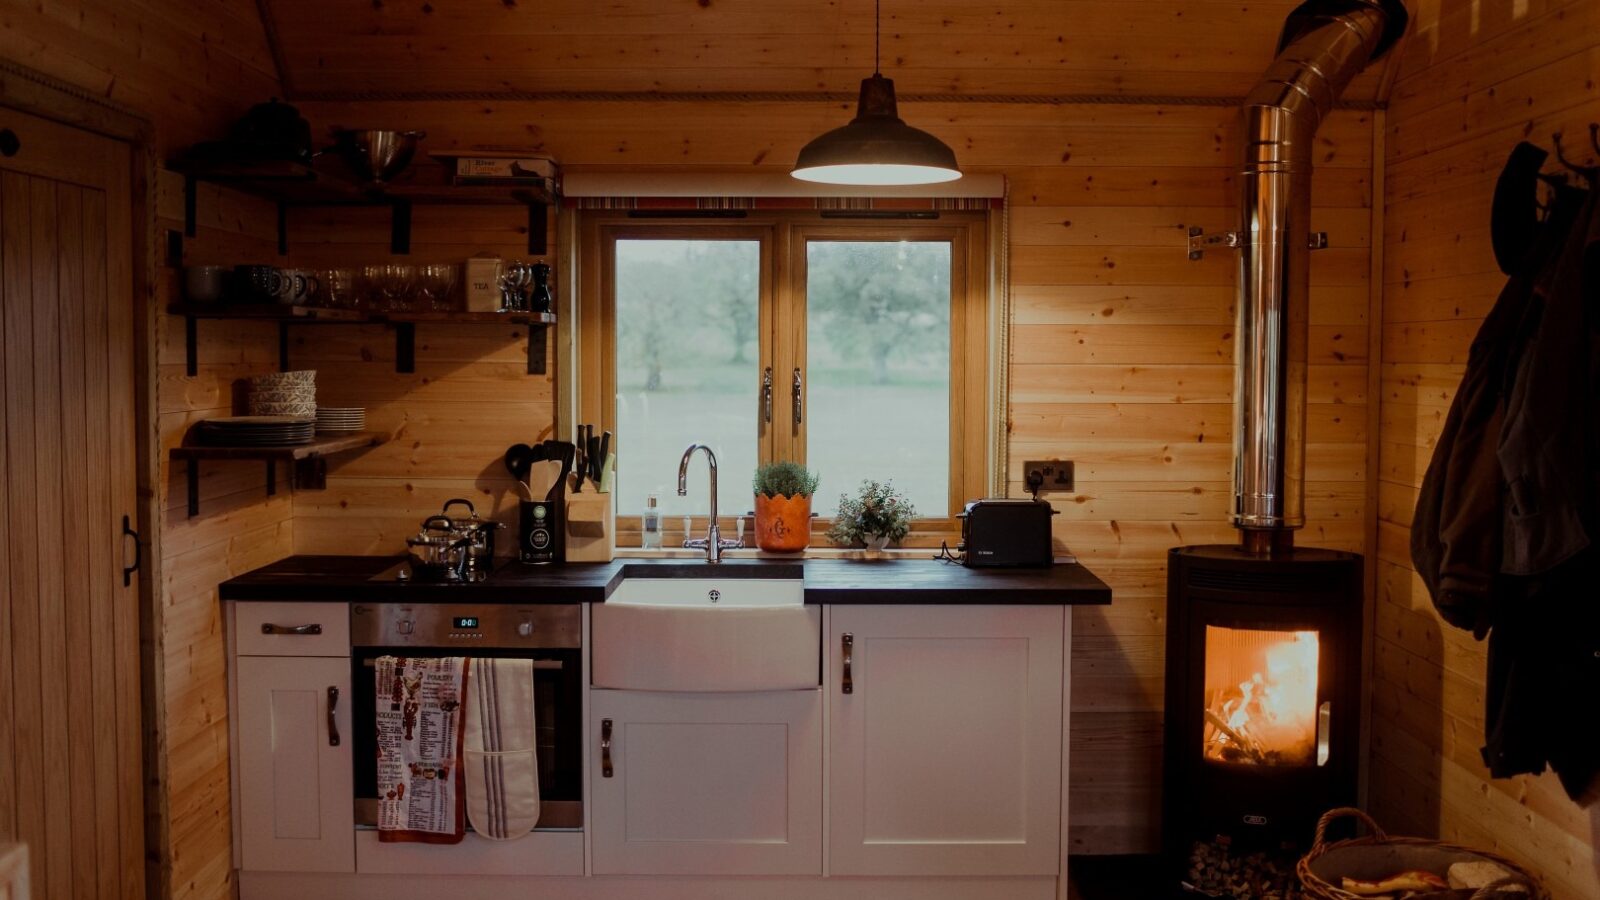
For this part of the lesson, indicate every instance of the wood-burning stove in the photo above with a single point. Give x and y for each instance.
(1263, 693)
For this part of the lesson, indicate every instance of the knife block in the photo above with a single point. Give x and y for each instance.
(591, 527)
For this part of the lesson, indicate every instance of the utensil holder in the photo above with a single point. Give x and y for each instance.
(591, 527)
(541, 531)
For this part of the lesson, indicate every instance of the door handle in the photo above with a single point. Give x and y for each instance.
(269, 628)
(799, 386)
(847, 684)
(766, 395)
(605, 748)
(333, 723)
(138, 553)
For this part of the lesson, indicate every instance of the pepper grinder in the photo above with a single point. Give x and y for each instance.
(541, 299)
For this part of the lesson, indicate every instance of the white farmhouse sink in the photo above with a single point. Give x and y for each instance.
(706, 634)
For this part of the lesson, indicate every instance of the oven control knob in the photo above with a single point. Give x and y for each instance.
(404, 626)
(525, 629)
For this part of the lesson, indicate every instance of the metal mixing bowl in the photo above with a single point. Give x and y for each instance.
(377, 156)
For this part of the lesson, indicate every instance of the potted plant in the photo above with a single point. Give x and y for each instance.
(783, 506)
(875, 518)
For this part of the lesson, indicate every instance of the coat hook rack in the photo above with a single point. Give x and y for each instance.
(1589, 173)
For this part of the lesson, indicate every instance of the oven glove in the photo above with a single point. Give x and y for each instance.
(500, 762)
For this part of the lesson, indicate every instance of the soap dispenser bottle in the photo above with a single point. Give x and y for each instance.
(650, 524)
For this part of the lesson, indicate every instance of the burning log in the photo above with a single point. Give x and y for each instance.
(1245, 744)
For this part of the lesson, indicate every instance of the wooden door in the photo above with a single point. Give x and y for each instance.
(296, 800)
(945, 756)
(70, 757)
(706, 784)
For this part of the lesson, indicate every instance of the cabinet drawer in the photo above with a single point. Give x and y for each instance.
(273, 629)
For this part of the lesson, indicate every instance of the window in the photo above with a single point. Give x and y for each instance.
(871, 335)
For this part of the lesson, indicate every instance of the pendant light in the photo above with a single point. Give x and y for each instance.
(876, 148)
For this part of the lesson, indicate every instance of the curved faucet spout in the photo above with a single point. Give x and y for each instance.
(713, 543)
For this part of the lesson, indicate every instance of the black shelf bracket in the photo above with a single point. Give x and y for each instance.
(400, 227)
(272, 478)
(191, 351)
(283, 346)
(538, 361)
(174, 248)
(190, 186)
(538, 229)
(405, 347)
(283, 228)
(311, 474)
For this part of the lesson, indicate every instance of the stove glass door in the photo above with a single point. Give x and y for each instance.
(1261, 702)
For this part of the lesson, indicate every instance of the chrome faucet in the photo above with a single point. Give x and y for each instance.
(712, 542)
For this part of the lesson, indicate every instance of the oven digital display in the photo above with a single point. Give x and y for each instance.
(464, 622)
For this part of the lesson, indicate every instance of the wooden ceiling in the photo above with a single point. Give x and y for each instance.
(1079, 50)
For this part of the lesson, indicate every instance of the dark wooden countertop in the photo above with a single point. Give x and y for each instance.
(902, 581)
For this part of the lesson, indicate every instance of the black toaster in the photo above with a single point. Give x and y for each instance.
(1007, 533)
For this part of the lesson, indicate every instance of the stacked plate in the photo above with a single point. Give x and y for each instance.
(284, 394)
(256, 431)
(340, 419)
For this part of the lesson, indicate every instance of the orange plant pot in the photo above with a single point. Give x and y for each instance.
(783, 524)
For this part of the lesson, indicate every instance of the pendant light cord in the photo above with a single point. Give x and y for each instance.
(877, 37)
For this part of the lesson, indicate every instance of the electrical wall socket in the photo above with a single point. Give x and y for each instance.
(1056, 475)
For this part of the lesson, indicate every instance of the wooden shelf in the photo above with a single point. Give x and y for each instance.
(290, 183)
(404, 325)
(309, 459)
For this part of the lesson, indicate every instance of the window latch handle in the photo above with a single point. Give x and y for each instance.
(766, 395)
(799, 386)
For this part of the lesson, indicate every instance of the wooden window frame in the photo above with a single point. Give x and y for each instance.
(782, 284)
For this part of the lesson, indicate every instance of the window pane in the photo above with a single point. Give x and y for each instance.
(878, 367)
(687, 362)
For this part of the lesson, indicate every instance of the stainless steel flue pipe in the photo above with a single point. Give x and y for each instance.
(1325, 44)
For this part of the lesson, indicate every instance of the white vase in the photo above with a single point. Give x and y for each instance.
(876, 542)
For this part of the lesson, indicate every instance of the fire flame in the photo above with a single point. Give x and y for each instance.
(1270, 717)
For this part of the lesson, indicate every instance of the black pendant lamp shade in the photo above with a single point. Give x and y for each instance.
(877, 147)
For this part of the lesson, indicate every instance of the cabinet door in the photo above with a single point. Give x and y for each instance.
(945, 740)
(296, 810)
(706, 784)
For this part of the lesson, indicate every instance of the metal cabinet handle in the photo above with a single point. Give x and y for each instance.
(799, 385)
(138, 551)
(333, 723)
(269, 628)
(605, 748)
(847, 685)
(766, 395)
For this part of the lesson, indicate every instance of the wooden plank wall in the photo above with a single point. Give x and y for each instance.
(469, 399)
(1121, 357)
(190, 68)
(1475, 78)
(239, 528)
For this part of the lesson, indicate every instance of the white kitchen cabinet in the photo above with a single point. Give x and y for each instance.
(706, 783)
(945, 744)
(293, 764)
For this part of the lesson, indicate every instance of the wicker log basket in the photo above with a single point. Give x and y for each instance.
(1378, 856)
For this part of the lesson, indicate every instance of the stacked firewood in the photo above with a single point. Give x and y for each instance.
(1216, 871)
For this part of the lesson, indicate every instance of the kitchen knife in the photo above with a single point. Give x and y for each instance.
(582, 458)
(602, 456)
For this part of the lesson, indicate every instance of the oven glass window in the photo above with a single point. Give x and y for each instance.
(1261, 698)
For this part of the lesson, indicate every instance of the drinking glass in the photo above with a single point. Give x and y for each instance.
(435, 282)
(369, 288)
(338, 288)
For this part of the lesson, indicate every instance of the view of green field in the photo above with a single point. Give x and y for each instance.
(877, 393)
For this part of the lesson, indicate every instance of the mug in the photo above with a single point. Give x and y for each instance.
(258, 284)
(203, 284)
(299, 286)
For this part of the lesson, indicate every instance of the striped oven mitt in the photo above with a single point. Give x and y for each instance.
(499, 761)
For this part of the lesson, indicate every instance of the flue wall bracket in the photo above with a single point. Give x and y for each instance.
(1200, 242)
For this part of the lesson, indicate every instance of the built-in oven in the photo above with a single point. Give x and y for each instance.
(551, 635)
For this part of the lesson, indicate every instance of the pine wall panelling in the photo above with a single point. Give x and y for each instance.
(190, 69)
(1121, 354)
(1475, 79)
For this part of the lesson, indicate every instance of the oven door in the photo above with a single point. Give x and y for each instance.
(558, 718)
